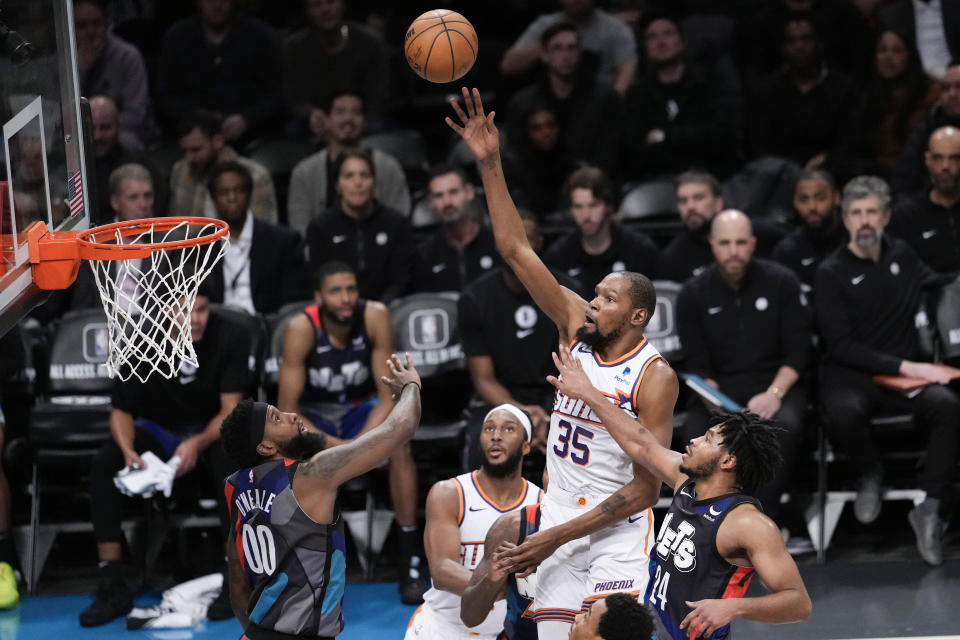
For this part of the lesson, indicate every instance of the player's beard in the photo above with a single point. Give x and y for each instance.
(701, 470)
(304, 445)
(597, 340)
(508, 467)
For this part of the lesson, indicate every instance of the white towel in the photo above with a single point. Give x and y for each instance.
(157, 476)
(182, 606)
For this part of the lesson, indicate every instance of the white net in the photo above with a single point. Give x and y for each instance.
(148, 300)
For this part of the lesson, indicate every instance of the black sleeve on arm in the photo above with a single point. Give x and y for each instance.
(400, 269)
(235, 352)
(695, 350)
(471, 326)
(833, 318)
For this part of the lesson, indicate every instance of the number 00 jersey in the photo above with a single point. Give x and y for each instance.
(582, 456)
(295, 568)
(685, 566)
(477, 514)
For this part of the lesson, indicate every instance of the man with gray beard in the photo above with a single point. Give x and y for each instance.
(868, 292)
(929, 221)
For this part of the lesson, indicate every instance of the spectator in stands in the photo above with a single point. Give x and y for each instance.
(806, 111)
(313, 188)
(816, 201)
(933, 26)
(262, 268)
(536, 164)
(688, 253)
(508, 342)
(910, 174)
(111, 66)
(109, 153)
(676, 114)
(224, 64)
(375, 240)
(745, 329)
(176, 417)
(898, 97)
(588, 112)
(328, 57)
(601, 33)
(462, 249)
(203, 145)
(864, 335)
(334, 355)
(929, 221)
(598, 245)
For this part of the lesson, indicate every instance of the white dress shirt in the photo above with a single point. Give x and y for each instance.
(236, 269)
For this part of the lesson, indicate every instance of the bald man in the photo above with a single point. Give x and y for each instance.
(109, 153)
(745, 327)
(929, 221)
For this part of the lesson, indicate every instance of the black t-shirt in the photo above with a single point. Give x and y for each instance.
(441, 267)
(933, 231)
(510, 329)
(687, 255)
(756, 329)
(802, 251)
(628, 251)
(192, 398)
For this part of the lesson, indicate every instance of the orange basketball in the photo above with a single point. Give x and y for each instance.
(441, 45)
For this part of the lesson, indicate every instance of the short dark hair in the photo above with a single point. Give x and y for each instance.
(329, 268)
(816, 174)
(208, 289)
(362, 153)
(643, 295)
(802, 16)
(754, 442)
(231, 166)
(699, 176)
(339, 93)
(649, 17)
(235, 436)
(625, 619)
(206, 122)
(443, 169)
(593, 179)
(559, 26)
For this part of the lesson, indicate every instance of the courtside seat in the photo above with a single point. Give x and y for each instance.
(276, 327)
(256, 326)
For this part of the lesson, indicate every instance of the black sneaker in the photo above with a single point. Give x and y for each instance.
(412, 585)
(220, 608)
(928, 528)
(113, 599)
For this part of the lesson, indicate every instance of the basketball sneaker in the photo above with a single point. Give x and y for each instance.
(9, 596)
(113, 598)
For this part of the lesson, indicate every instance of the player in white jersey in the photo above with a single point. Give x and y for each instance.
(596, 526)
(460, 511)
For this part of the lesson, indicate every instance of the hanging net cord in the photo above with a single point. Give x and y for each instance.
(148, 301)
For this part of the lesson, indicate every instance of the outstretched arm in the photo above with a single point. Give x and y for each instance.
(441, 538)
(638, 442)
(564, 307)
(747, 537)
(488, 582)
(316, 481)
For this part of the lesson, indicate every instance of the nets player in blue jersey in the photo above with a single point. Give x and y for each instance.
(714, 537)
(286, 547)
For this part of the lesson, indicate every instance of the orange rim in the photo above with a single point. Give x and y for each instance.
(93, 246)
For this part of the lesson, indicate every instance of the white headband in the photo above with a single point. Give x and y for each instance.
(518, 414)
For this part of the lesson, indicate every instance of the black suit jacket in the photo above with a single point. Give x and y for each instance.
(900, 17)
(277, 272)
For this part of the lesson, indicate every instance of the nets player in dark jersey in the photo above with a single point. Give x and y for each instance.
(333, 353)
(286, 547)
(714, 537)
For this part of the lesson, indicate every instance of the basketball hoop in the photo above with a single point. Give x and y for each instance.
(147, 272)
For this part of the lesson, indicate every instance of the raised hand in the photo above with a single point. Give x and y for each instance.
(400, 374)
(477, 129)
(573, 381)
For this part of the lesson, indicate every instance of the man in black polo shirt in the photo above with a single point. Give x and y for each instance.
(745, 328)
(817, 202)
(698, 201)
(508, 342)
(929, 221)
(598, 246)
(462, 248)
(867, 295)
(176, 417)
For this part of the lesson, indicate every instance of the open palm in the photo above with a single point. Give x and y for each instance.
(477, 129)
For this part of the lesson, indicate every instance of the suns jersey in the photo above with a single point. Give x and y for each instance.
(582, 456)
(476, 515)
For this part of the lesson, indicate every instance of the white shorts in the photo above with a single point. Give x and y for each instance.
(582, 571)
(427, 625)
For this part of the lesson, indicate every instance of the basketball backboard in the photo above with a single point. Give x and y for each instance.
(44, 172)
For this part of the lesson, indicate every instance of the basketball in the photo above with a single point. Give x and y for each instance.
(440, 45)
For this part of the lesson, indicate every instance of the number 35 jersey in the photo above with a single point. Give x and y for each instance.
(582, 456)
(295, 568)
(685, 565)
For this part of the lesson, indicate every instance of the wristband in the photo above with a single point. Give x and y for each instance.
(419, 388)
(776, 392)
